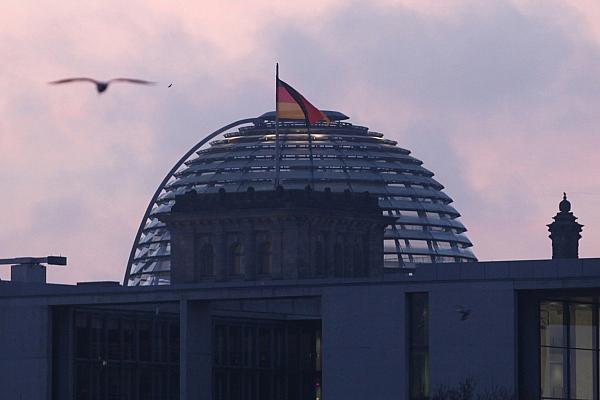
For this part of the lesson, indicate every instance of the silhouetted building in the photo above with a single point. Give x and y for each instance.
(345, 157)
(565, 232)
(285, 294)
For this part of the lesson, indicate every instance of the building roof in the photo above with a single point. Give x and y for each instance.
(566, 274)
(356, 203)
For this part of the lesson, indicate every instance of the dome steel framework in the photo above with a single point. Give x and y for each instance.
(345, 157)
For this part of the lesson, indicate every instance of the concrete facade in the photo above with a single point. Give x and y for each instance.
(364, 325)
(25, 357)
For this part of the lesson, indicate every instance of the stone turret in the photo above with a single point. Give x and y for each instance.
(565, 232)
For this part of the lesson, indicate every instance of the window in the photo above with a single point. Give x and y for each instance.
(82, 333)
(320, 260)
(348, 259)
(236, 253)
(445, 259)
(409, 213)
(339, 259)
(568, 350)
(266, 360)
(265, 258)
(412, 227)
(125, 355)
(204, 263)
(444, 245)
(234, 351)
(114, 339)
(419, 244)
(418, 345)
(358, 260)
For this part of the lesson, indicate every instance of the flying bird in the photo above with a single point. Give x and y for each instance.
(170, 85)
(464, 313)
(101, 86)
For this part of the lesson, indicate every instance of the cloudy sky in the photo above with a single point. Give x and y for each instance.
(500, 99)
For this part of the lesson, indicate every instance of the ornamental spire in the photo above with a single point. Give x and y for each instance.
(565, 232)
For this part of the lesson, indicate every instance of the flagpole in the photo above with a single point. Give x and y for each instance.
(277, 151)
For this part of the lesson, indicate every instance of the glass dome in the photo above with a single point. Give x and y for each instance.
(344, 157)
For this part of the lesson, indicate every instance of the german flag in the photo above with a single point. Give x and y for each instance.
(292, 105)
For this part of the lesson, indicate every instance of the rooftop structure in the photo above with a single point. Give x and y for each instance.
(565, 232)
(345, 157)
(281, 234)
(260, 307)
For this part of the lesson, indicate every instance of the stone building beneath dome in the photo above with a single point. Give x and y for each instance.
(281, 234)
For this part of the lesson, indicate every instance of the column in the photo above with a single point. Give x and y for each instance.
(195, 369)
(220, 247)
(249, 257)
(182, 254)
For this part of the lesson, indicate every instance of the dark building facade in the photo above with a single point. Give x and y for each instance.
(238, 290)
(529, 327)
(224, 331)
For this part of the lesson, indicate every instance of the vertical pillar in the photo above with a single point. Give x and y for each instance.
(528, 345)
(220, 247)
(374, 247)
(330, 250)
(290, 255)
(63, 352)
(182, 254)
(364, 349)
(304, 259)
(195, 369)
(249, 243)
(278, 248)
(25, 359)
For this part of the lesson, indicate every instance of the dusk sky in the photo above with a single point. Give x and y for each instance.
(500, 99)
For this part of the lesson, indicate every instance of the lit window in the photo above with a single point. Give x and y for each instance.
(567, 350)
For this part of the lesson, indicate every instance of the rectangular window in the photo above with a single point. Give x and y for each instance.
(568, 350)
(124, 355)
(552, 351)
(409, 213)
(418, 345)
(419, 244)
(444, 246)
(276, 360)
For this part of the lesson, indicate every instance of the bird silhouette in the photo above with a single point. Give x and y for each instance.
(170, 85)
(464, 313)
(101, 86)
